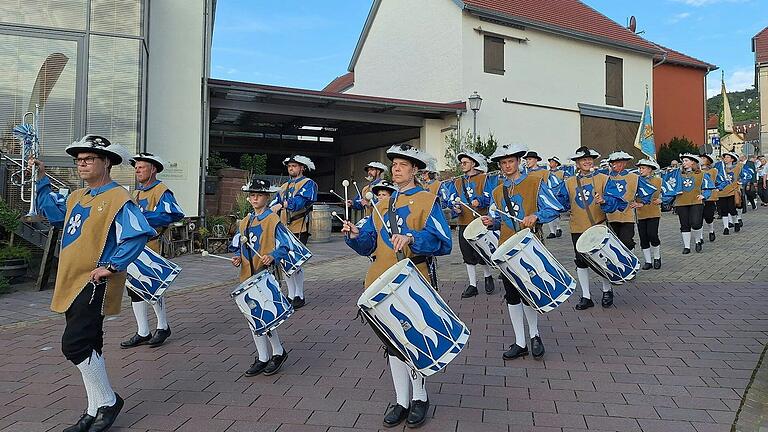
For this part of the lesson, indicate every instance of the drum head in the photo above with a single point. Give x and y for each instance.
(511, 242)
(475, 229)
(251, 281)
(592, 238)
(382, 282)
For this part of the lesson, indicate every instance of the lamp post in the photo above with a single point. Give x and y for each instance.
(474, 104)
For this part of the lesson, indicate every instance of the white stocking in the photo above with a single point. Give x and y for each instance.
(647, 255)
(401, 380)
(95, 378)
(686, 239)
(533, 320)
(583, 276)
(606, 285)
(656, 252)
(262, 347)
(471, 272)
(162, 318)
(274, 341)
(517, 318)
(486, 271)
(140, 312)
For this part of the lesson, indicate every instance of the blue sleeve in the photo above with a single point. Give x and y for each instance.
(495, 215)
(450, 190)
(745, 175)
(51, 204)
(614, 200)
(132, 232)
(278, 198)
(166, 212)
(443, 191)
(234, 245)
(563, 198)
(356, 204)
(549, 206)
(645, 190)
(306, 196)
(706, 186)
(365, 243)
(282, 240)
(435, 238)
(491, 182)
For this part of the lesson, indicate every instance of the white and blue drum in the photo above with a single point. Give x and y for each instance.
(483, 240)
(150, 275)
(541, 280)
(260, 300)
(405, 308)
(608, 255)
(298, 254)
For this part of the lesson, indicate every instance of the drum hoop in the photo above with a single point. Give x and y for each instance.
(153, 298)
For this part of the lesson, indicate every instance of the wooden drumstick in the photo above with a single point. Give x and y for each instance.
(207, 254)
(345, 183)
(458, 200)
(369, 197)
(339, 217)
(358, 189)
(507, 214)
(337, 195)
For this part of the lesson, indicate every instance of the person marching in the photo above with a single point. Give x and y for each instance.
(649, 215)
(160, 209)
(423, 232)
(294, 205)
(430, 182)
(374, 171)
(693, 188)
(710, 205)
(555, 169)
(260, 242)
(729, 199)
(530, 199)
(469, 189)
(589, 195)
(103, 231)
(532, 168)
(634, 188)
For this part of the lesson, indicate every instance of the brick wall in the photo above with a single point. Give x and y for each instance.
(231, 180)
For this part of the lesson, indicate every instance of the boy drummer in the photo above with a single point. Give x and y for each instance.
(260, 241)
(421, 231)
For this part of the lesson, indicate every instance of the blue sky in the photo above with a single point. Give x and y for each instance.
(308, 43)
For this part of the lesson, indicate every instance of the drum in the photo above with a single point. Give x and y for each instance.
(608, 255)
(483, 240)
(150, 275)
(298, 254)
(414, 318)
(534, 271)
(260, 300)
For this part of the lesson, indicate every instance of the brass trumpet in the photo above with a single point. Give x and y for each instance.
(27, 134)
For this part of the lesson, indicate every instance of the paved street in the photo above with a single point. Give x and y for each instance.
(676, 353)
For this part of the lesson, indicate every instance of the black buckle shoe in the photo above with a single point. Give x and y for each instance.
(275, 363)
(699, 246)
(514, 352)
(686, 251)
(737, 228)
(607, 299)
(730, 224)
(740, 223)
(551, 236)
(585, 303)
(537, 347)
(471, 291)
(417, 415)
(559, 232)
(298, 302)
(725, 231)
(256, 368)
(107, 415)
(657, 263)
(490, 287)
(647, 266)
(395, 416)
(711, 236)
(159, 337)
(82, 424)
(135, 341)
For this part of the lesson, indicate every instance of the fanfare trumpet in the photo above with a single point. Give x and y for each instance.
(27, 134)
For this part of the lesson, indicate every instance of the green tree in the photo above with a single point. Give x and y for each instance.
(255, 164)
(216, 162)
(672, 150)
(455, 144)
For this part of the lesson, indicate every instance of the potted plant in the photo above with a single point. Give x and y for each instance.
(14, 259)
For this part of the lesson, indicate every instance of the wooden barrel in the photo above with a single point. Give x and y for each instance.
(320, 227)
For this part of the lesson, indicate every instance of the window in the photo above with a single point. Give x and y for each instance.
(61, 14)
(120, 17)
(494, 55)
(614, 81)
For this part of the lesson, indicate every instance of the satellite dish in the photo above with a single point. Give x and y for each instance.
(632, 24)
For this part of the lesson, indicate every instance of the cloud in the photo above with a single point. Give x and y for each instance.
(227, 70)
(698, 3)
(678, 17)
(741, 78)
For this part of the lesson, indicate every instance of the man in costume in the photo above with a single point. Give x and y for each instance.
(374, 171)
(637, 192)
(692, 189)
(160, 209)
(294, 205)
(103, 231)
(421, 231)
(649, 215)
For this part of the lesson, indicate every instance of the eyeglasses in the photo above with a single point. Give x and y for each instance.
(85, 161)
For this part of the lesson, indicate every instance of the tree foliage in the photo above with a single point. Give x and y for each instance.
(455, 144)
(672, 150)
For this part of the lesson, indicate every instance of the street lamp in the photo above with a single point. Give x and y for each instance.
(474, 104)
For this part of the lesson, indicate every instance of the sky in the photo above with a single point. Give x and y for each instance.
(308, 43)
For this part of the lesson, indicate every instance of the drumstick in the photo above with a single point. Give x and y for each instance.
(458, 200)
(345, 183)
(337, 195)
(358, 189)
(369, 197)
(206, 254)
(337, 215)
(507, 215)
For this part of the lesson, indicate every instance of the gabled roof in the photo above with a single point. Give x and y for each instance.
(760, 46)
(713, 121)
(341, 83)
(676, 57)
(570, 18)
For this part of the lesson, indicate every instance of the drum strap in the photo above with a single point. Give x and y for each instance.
(580, 192)
(244, 240)
(508, 202)
(393, 228)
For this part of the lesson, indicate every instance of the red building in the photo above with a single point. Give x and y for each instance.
(680, 97)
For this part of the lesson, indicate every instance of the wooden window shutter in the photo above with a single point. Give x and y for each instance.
(493, 51)
(614, 81)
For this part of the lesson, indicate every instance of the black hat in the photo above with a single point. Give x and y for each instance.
(260, 185)
(98, 144)
(532, 154)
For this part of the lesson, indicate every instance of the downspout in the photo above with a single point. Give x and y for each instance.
(662, 61)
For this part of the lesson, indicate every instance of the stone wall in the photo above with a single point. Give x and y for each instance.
(230, 182)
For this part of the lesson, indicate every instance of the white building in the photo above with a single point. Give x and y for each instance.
(552, 75)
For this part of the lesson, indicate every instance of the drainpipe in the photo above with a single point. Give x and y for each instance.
(662, 61)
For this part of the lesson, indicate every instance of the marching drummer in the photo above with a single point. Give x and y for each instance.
(260, 241)
(374, 171)
(469, 189)
(649, 215)
(710, 204)
(729, 200)
(103, 232)
(693, 188)
(161, 209)
(383, 190)
(528, 198)
(589, 196)
(429, 181)
(532, 168)
(555, 169)
(421, 230)
(637, 192)
(294, 205)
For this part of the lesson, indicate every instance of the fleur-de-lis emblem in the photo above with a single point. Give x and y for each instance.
(252, 240)
(74, 224)
(470, 191)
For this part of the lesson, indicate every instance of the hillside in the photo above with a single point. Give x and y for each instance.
(745, 105)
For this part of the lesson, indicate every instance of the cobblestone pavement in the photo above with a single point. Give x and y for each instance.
(675, 354)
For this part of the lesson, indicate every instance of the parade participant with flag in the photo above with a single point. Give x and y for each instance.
(636, 190)
(710, 205)
(729, 198)
(690, 193)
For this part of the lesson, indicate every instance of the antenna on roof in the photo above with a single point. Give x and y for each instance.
(632, 24)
